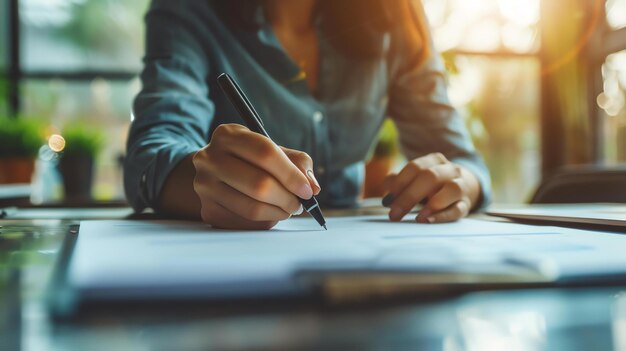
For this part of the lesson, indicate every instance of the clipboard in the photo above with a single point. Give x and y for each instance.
(320, 283)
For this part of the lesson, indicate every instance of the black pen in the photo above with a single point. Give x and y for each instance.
(253, 121)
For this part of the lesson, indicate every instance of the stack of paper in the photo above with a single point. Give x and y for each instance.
(144, 259)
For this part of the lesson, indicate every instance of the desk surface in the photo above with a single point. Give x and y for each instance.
(557, 319)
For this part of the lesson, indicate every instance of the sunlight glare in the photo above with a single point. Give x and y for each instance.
(518, 39)
(483, 36)
(520, 12)
(473, 9)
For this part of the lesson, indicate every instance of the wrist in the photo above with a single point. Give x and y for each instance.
(473, 186)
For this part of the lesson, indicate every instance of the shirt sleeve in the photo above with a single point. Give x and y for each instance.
(425, 119)
(172, 113)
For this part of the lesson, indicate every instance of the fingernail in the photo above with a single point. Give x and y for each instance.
(299, 211)
(395, 213)
(430, 219)
(388, 199)
(312, 177)
(305, 192)
(423, 215)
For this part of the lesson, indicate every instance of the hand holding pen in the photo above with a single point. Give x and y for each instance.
(245, 181)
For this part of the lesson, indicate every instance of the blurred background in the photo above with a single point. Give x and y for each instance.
(540, 83)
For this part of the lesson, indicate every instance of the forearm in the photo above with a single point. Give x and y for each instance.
(178, 197)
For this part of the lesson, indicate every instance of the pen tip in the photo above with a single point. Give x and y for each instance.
(324, 227)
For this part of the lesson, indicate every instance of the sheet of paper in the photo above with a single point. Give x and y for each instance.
(73, 214)
(149, 255)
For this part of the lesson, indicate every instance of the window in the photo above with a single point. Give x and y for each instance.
(484, 26)
(4, 51)
(80, 35)
(3, 40)
(79, 60)
(613, 102)
(103, 104)
(612, 98)
(490, 47)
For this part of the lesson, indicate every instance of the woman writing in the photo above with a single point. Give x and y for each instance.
(323, 74)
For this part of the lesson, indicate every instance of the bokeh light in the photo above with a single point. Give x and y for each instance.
(523, 13)
(56, 143)
(616, 13)
(484, 25)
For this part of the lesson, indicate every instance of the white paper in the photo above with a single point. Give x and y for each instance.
(72, 214)
(165, 254)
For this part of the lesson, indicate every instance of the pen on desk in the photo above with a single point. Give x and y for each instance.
(253, 121)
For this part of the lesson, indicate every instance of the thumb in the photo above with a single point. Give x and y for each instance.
(304, 162)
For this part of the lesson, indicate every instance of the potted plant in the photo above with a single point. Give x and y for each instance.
(20, 141)
(77, 160)
(382, 160)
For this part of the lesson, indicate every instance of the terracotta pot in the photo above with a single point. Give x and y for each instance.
(375, 172)
(16, 170)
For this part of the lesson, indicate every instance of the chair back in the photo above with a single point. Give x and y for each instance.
(586, 184)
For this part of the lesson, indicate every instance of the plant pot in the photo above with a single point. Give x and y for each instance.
(16, 170)
(77, 174)
(375, 172)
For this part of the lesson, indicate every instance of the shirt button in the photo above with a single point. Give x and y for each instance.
(321, 171)
(318, 117)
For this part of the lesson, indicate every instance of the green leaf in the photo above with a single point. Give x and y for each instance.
(81, 139)
(20, 137)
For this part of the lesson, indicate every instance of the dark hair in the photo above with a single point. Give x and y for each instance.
(355, 27)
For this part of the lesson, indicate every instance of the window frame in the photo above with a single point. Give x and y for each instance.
(16, 74)
(606, 41)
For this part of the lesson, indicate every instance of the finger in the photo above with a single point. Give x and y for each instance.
(263, 153)
(453, 213)
(239, 203)
(218, 216)
(252, 181)
(450, 193)
(425, 183)
(389, 197)
(305, 164)
(406, 175)
(389, 180)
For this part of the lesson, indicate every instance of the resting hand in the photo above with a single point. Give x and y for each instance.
(448, 190)
(245, 181)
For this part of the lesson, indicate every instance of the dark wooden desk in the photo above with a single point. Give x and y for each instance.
(551, 319)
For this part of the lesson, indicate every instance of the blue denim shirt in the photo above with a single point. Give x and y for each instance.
(179, 106)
